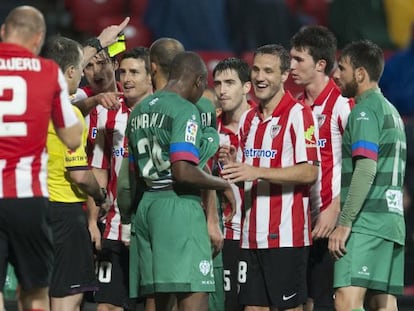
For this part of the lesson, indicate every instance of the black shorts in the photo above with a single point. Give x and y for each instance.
(231, 250)
(73, 270)
(320, 274)
(112, 271)
(273, 277)
(26, 241)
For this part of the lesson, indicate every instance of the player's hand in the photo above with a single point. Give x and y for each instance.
(326, 221)
(95, 235)
(216, 237)
(237, 172)
(227, 154)
(104, 209)
(110, 34)
(337, 241)
(109, 100)
(229, 198)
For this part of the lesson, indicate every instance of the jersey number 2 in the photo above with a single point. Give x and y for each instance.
(13, 102)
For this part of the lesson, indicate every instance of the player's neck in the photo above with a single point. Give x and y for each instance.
(362, 88)
(315, 88)
(160, 82)
(232, 118)
(268, 106)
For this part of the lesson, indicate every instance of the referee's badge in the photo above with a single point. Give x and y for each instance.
(274, 130)
(321, 119)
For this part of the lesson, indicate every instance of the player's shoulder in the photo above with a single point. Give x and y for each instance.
(49, 66)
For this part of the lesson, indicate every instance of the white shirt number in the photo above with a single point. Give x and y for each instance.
(13, 102)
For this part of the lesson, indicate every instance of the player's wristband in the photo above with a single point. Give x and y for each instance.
(125, 232)
(95, 43)
(101, 201)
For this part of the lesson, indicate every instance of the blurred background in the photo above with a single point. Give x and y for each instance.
(221, 28)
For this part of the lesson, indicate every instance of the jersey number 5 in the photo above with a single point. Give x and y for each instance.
(13, 102)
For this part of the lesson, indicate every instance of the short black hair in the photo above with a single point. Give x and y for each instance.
(321, 43)
(139, 53)
(185, 63)
(366, 54)
(236, 64)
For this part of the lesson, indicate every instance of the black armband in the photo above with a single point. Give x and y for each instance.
(95, 43)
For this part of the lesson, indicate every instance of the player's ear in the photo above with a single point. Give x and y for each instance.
(115, 63)
(247, 87)
(201, 82)
(321, 65)
(2, 32)
(361, 74)
(284, 76)
(198, 81)
(153, 68)
(69, 72)
(37, 41)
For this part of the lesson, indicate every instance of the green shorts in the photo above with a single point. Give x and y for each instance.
(173, 247)
(134, 279)
(216, 298)
(371, 262)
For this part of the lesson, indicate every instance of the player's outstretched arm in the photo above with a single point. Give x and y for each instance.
(187, 173)
(108, 36)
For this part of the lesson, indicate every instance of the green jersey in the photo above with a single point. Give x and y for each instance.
(375, 130)
(162, 129)
(207, 112)
(209, 139)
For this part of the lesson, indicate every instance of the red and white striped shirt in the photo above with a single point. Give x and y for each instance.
(277, 215)
(331, 111)
(33, 90)
(232, 228)
(110, 148)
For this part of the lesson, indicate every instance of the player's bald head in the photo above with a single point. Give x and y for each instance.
(24, 21)
(163, 51)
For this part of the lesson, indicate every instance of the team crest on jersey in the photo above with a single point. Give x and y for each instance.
(321, 119)
(363, 116)
(310, 137)
(191, 131)
(204, 267)
(274, 130)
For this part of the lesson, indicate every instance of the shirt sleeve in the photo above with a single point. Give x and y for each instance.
(101, 154)
(77, 159)
(185, 137)
(365, 133)
(63, 114)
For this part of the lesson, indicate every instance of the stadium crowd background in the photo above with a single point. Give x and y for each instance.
(221, 28)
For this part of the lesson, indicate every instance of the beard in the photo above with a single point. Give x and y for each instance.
(350, 89)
